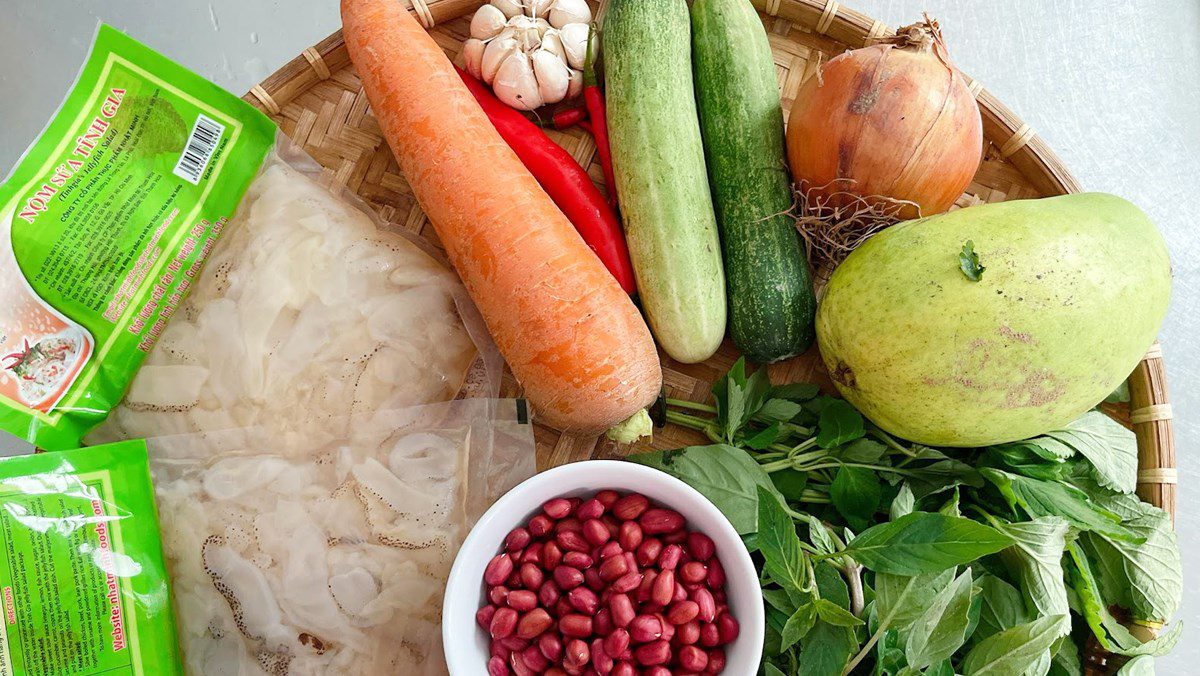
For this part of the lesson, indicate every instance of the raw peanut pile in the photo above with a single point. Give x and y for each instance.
(609, 585)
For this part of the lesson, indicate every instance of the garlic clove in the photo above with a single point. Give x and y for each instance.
(541, 25)
(516, 84)
(473, 57)
(487, 22)
(494, 55)
(570, 11)
(575, 39)
(526, 31)
(510, 8)
(576, 84)
(553, 76)
(551, 42)
(538, 8)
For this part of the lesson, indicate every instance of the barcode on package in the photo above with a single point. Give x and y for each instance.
(206, 134)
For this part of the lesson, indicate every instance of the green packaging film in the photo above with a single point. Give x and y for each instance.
(104, 225)
(84, 587)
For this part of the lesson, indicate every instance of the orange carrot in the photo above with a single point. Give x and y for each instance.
(572, 337)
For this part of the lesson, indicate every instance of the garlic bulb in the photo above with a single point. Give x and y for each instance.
(531, 52)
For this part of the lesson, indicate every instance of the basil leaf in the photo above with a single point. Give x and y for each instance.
(839, 423)
(856, 493)
(836, 615)
(1109, 447)
(900, 600)
(831, 586)
(763, 438)
(1147, 578)
(1111, 634)
(968, 262)
(780, 600)
(1036, 559)
(1040, 666)
(903, 503)
(779, 544)
(826, 650)
(943, 668)
(922, 542)
(1013, 650)
(1142, 665)
(864, 451)
(727, 476)
(941, 629)
(739, 397)
(1002, 607)
(797, 392)
(772, 670)
(1052, 498)
(1066, 660)
(790, 483)
(779, 410)
(798, 625)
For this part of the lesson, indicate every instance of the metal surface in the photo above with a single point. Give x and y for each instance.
(1113, 87)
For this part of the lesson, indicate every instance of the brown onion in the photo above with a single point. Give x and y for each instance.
(892, 122)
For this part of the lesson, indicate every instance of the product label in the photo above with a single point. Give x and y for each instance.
(104, 226)
(84, 586)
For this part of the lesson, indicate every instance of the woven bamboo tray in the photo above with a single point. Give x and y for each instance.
(317, 100)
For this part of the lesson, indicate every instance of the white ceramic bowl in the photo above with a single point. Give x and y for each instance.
(466, 644)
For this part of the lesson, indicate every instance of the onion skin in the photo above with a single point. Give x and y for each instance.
(893, 121)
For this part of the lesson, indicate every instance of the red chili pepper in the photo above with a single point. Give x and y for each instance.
(597, 114)
(565, 119)
(564, 180)
(587, 126)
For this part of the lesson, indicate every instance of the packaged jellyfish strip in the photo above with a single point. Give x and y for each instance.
(85, 590)
(104, 225)
(161, 238)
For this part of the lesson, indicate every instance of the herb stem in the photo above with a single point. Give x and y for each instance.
(883, 626)
(888, 440)
(691, 405)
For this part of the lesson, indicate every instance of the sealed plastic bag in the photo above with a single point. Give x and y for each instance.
(329, 557)
(81, 567)
(311, 309)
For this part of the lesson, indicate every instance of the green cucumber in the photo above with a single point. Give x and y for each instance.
(658, 158)
(771, 300)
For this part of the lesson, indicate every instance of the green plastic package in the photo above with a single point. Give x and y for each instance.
(82, 578)
(104, 224)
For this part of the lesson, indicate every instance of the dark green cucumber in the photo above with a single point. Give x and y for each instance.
(771, 300)
(658, 158)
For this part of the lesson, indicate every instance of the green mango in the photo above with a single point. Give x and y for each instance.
(1073, 293)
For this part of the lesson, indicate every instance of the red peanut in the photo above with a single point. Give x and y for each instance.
(617, 642)
(504, 622)
(551, 646)
(498, 569)
(682, 612)
(548, 594)
(497, 667)
(693, 572)
(540, 525)
(700, 546)
(687, 634)
(607, 497)
(603, 625)
(645, 628)
(648, 551)
(571, 541)
(533, 623)
(584, 600)
(578, 560)
(601, 661)
(517, 539)
(613, 567)
(692, 658)
(664, 588)
(630, 536)
(670, 557)
(716, 574)
(656, 652)
(522, 600)
(627, 582)
(484, 616)
(577, 654)
(621, 609)
(551, 556)
(707, 607)
(567, 578)
(710, 636)
(498, 595)
(595, 532)
(728, 628)
(590, 509)
(575, 626)
(716, 661)
(623, 669)
(558, 508)
(658, 521)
